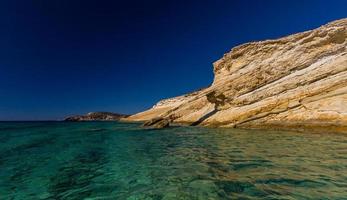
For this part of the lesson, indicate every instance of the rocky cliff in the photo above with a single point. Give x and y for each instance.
(295, 81)
(97, 116)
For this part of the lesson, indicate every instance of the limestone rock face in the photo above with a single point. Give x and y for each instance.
(97, 116)
(157, 123)
(295, 81)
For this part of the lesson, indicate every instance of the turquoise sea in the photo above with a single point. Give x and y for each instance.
(110, 160)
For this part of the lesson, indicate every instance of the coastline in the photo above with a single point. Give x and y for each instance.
(317, 128)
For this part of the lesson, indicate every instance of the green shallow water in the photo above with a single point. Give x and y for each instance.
(109, 160)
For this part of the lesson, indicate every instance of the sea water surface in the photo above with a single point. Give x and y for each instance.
(110, 160)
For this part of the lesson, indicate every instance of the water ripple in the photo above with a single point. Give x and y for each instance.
(122, 161)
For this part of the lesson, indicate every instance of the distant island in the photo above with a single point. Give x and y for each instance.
(96, 116)
(298, 81)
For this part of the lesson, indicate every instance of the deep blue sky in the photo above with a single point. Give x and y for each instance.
(62, 57)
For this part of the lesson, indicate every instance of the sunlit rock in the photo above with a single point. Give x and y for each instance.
(295, 81)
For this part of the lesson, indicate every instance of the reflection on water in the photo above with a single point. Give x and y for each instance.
(108, 160)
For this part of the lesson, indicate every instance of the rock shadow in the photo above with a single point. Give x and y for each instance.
(203, 118)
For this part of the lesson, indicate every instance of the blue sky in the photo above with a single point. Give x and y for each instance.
(63, 57)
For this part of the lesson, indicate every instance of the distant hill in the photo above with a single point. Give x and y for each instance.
(96, 116)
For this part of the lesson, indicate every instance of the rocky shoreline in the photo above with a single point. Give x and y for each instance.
(298, 81)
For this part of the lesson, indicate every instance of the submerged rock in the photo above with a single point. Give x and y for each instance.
(97, 116)
(295, 81)
(157, 123)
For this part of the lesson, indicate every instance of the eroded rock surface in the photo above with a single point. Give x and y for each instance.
(295, 81)
(157, 123)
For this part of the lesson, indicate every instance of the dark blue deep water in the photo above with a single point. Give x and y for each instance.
(109, 160)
